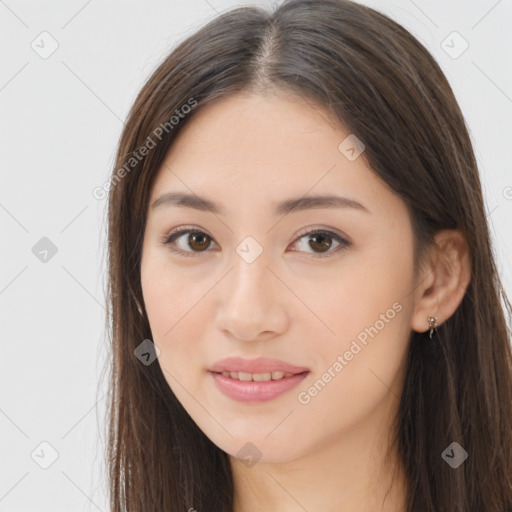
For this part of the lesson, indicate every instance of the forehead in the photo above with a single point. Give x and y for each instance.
(270, 129)
(266, 149)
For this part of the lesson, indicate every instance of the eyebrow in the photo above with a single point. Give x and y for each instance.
(196, 202)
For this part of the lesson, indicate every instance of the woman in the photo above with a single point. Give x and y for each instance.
(304, 302)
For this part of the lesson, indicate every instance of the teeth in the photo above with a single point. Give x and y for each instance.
(257, 377)
(261, 376)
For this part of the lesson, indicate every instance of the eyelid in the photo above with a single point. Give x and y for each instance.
(185, 229)
(312, 230)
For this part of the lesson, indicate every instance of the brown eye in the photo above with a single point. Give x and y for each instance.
(321, 241)
(198, 241)
(188, 241)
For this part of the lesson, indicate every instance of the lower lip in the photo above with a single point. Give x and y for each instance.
(251, 391)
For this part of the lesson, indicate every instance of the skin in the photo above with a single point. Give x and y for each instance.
(293, 302)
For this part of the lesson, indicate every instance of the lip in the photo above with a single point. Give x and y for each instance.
(252, 391)
(256, 391)
(258, 365)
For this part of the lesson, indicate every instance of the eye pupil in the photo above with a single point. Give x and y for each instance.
(192, 239)
(324, 246)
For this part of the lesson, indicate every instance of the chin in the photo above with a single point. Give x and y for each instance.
(251, 449)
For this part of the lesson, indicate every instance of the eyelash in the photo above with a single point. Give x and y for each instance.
(168, 239)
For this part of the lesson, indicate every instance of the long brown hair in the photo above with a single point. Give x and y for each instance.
(388, 90)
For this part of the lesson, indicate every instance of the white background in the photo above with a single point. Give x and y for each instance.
(60, 119)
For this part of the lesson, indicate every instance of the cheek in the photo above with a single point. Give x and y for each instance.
(369, 308)
(169, 292)
(171, 301)
(363, 291)
(362, 367)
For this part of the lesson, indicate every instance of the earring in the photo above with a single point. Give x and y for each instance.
(432, 324)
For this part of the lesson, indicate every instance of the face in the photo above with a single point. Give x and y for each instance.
(321, 291)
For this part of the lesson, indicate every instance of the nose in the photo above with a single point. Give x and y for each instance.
(252, 304)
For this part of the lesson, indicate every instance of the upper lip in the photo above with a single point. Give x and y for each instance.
(259, 365)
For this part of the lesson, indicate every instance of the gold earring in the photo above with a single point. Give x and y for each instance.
(432, 324)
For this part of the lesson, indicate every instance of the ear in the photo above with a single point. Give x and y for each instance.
(443, 280)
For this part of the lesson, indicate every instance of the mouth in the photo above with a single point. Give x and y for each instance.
(259, 366)
(258, 380)
(258, 377)
(256, 387)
